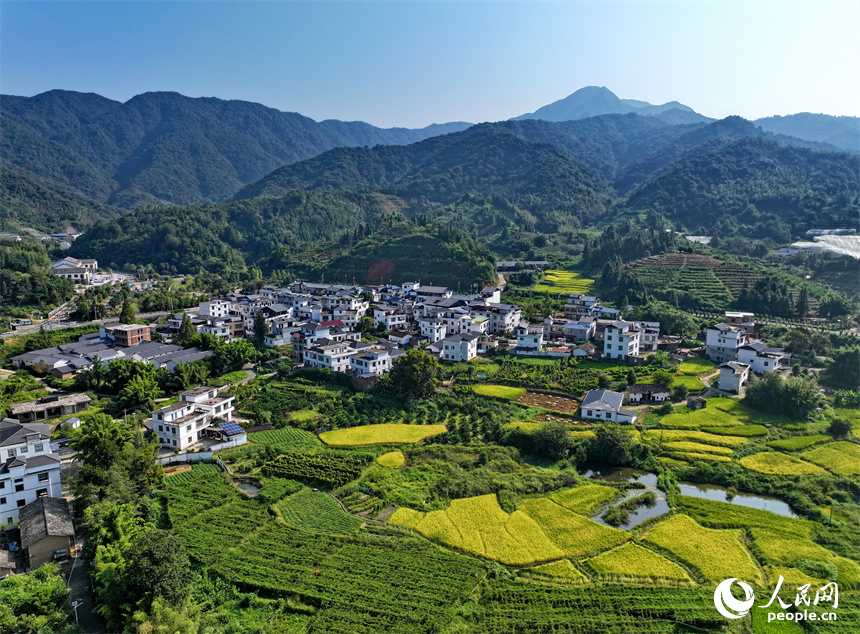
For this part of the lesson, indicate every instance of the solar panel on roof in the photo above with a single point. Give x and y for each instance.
(231, 429)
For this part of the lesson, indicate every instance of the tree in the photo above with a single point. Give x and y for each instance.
(164, 618)
(187, 334)
(413, 374)
(261, 329)
(839, 427)
(127, 314)
(680, 392)
(36, 602)
(100, 441)
(662, 378)
(612, 444)
(139, 393)
(796, 397)
(802, 306)
(631, 377)
(230, 357)
(157, 568)
(553, 441)
(844, 368)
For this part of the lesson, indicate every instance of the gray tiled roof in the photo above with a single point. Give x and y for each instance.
(45, 517)
(603, 400)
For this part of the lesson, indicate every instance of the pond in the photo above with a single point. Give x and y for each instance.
(626, 474)
(250, 489)
(718, 494)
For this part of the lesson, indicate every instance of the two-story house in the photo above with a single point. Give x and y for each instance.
(529, 337)
(184, 423)
(762, 358)
(388, 316)
(28, 469)
(723, 341)
(460, 347)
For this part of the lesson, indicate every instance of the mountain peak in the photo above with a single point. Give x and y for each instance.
(592, 101)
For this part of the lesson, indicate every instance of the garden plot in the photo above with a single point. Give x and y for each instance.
(550, 401)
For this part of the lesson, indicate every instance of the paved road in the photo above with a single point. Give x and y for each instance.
(79, 590)
(57, 324)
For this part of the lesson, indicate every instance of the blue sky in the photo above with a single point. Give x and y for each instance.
(416, 63)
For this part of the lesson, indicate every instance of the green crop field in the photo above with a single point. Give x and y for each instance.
(584, 500)
(716, 554)
(199, 469)
(286, 439)
(775, 463)
(696, 366)
(715, 514)
(841, 458)
(392, 460)
(722, 413)
(795, 443)
(499, 391)
(632, 562)
(563, 282)
(695, 447)
(692, 383)
(740, 430)
(317, 512)
(386, 433)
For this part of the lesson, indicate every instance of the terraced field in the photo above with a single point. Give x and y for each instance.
(633, 562)
(316, 512)
(286, 439)
(775, 463)
(841, 458)
(541, 530)
(731, 276)
(563, 282)
(561, 571)
(716, 554)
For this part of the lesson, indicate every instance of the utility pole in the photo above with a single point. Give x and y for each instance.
(75, 605)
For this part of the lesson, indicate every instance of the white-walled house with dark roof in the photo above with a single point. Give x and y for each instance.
(28, 469)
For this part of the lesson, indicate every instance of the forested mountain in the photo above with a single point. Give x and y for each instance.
(592, 101)
(539, 178)
(843, 132)
(777, 191)
(164, 147)
(29, 201)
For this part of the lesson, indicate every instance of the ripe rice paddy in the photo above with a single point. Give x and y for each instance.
(716, 554)
(715, 514)
(561, 571)
(585, 499)
(394, 433)
(632, 561)
(787, 550)
(563, 282)
(673, 435)
(499, 391)
(775, 463)
(392, 460)
(695, 447)
(540, 530)
(841, 458)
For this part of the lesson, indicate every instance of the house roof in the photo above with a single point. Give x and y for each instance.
(197, 391)
(38, 406)
(45, 517)
(7, 560)
(647, 388)
(14, 433)
(735, 366)
(603, 400)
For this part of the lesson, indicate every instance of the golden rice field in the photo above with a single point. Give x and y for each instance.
(786, 550)
(381, 434)
(775, 463)
(392, 460)
(540, 530)
(563, 282)
(702, 456)
(695, 447)
(674, 435)
(791, 576)
(524, 426)
(841, 458)
(716, 554)
(562, 571)
(585, 499)
(499, 391)
(632, 561)
(671, 462)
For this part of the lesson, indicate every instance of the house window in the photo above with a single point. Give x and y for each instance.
(43, 477)
(38, 447)
(19, 487)
(2, 500)
(22, 503)
(11, 453)
(42, 493)
(24, 449)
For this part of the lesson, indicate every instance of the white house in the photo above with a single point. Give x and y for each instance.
(184, 423)
(503, 318)
(388, 316)
(433, 329)
(215, 308)
(606, 405)
(644, 392)
(763, 359)
(460, 347)
(333, 355)
(650, 334)
(370, 362)
(723, 341)
(621, 340)
(582, 329)
(28, 469)
(530, 337)
(733, 375)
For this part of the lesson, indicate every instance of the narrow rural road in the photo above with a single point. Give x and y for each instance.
(79, 590)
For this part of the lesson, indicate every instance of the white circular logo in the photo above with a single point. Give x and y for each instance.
(725, 602)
